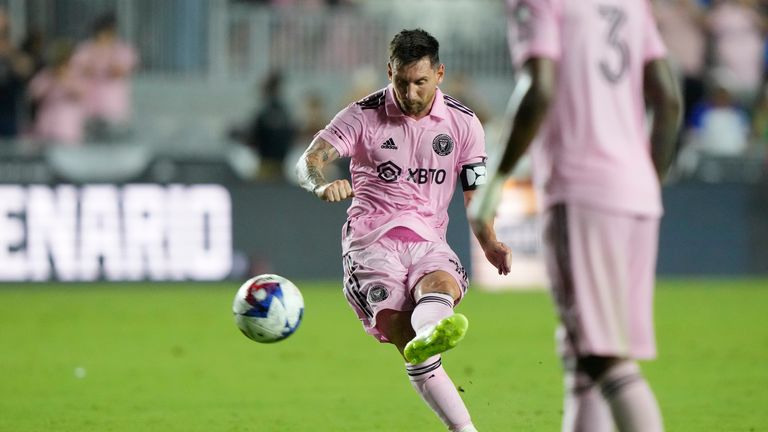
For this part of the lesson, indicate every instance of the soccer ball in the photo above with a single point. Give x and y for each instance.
(268, 308)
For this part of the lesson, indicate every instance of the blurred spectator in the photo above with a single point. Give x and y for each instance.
(342, 44)
(313, 118)
(682, 26)
(271, 131)
(313, 3)
(106, 63)
(59, 92)
(33, 46)
(15, 70)
(299, 3)
(720, 128)
(737, 33)
(760, 125)
(365, 80)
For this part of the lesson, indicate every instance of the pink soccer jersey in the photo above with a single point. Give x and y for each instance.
(594, 147)
(109, 96)
(60, 115)
(404, 171)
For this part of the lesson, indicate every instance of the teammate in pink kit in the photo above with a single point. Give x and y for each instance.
(106, 63)
(585, 68)
(409, 145)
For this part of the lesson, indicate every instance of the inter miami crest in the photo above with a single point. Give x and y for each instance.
(377, 293)
(442, 145)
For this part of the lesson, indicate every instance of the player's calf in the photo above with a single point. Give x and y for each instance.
(626, 391)
(438, 391)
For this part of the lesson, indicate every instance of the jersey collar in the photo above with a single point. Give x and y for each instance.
(439, 110)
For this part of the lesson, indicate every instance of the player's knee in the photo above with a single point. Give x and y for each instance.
(596, 366)
(438, 282)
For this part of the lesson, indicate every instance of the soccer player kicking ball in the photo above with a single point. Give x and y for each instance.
(409, 145)
(585, 67)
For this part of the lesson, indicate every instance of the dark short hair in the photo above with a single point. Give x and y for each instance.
(104, 22)
(409, 46)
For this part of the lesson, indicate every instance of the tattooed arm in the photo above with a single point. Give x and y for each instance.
(310, 171)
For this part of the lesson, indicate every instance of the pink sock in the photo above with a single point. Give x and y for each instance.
(585, 409)
(430, 309)
(632, 402)
(438, 391)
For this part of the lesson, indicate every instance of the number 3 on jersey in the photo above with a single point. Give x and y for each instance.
(615, 17)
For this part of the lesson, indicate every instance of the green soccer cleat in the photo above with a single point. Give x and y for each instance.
(440, 338)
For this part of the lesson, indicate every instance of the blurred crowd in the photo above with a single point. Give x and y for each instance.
(299, 3)
(63, 93)
(720, 51)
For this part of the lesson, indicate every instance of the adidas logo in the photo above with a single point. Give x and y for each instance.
(389, 144)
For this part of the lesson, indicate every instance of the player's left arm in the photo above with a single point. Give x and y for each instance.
(473, 173)
(496, 252)
(662, 98)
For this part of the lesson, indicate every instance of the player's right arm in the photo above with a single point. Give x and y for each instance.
(310, 172)
(536, 85)
(662, 97)
(527, 109)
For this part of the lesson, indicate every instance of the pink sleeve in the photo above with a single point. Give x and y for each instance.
(40, 85)
(473, 149)
(345, 130)
(533, 30)
(653, 46)
(128, 58)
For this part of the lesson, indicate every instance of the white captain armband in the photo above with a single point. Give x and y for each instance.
(473, 175)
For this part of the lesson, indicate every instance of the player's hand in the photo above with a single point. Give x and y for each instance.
(337, 190)
(499, 255)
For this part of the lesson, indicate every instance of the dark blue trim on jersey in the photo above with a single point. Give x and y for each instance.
(455, 104)
(352, 288)
(373, 101)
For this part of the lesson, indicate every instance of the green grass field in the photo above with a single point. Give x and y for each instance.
(154, 357)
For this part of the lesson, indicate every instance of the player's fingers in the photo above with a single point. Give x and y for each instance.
(338, 190)
(335, 194)
(502, 259)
